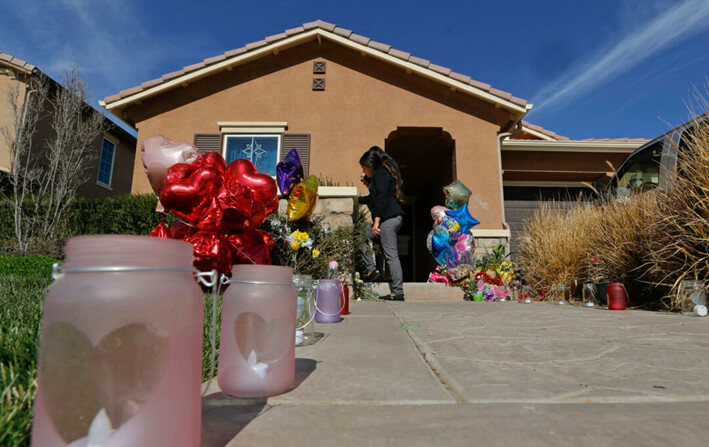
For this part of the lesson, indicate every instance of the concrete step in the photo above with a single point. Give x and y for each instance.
(424, 291)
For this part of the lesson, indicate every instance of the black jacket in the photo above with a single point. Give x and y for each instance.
(381, 200)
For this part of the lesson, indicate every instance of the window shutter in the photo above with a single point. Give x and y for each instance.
(208, 142)
(301, 143)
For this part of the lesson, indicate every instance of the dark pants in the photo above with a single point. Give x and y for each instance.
(388, 239)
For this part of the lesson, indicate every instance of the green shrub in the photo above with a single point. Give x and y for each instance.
(127, 214)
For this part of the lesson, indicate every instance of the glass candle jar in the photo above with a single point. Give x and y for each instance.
(305, 326)
(590, 294)
(327, 301)
(120, 353)
(691, 294)
(257, 344)
(561, 294)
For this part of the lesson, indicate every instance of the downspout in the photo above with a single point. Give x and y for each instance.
(500, 137)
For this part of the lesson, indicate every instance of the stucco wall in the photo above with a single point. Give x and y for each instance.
(6, 119)
(122, 180)
(125, 146)
(364, 101)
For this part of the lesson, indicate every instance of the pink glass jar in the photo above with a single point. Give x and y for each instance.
(120, 353)
(257, 342)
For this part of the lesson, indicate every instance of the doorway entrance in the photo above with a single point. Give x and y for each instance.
(426, 156)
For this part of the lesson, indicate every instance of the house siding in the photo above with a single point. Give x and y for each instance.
(364, 101)
(125, 149)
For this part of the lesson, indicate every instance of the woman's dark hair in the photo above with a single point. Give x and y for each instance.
(376, 158)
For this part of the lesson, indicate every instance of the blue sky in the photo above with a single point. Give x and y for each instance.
(603, 69)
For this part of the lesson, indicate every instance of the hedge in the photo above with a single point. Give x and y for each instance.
(127, 214)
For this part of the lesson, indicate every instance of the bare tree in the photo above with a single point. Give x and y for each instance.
(45, 175)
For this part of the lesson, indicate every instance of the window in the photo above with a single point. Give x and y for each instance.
(640, 172)
(105, 164)
(262, 150)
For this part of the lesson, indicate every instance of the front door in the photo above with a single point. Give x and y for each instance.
(426, 156)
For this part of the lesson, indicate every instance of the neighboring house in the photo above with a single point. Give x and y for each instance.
(540, 165)
(331, 94)
(112, 172)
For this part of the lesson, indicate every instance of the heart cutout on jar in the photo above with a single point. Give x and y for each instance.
(118, 375)
(268, 341)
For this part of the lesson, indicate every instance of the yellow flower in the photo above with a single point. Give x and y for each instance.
(294, 245)
(302, 236)
(316, 253)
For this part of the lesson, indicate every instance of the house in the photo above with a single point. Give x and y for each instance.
(112, 171)
(331, 94)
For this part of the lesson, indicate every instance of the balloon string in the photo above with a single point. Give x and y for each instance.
(245, 255)
(216, 290)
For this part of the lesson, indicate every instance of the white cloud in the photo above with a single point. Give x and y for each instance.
(112, 46)
(670, 27)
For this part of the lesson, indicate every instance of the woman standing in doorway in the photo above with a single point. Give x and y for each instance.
(382, 174)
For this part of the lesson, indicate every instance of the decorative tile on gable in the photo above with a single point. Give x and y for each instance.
(319, 67)
(318, 84)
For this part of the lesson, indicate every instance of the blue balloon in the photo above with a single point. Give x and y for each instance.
(437, 246)
(464, 218)
(448, 227)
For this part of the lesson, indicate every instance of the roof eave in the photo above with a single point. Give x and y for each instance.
(571, 146)
(115, 107)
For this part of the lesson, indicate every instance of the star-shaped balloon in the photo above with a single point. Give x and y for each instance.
(463, 217)
(457, 195)
(289, 172)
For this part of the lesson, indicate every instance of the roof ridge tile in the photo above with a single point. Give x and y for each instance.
(235, 51)
(343, 32)
(276, 37)
(194, 67)
(445, 71)
(379, 46)
(420, 61)
(399, 54)
(364, 40)
(296, 30)
(257, 44)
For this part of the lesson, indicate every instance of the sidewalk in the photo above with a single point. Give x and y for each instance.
(486, 374)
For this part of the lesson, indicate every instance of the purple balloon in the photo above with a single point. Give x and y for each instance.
(289, 172)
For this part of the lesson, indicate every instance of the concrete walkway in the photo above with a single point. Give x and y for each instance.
(484, 374)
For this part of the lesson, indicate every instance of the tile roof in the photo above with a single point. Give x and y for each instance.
(619, 140)
(558, 137)
(17, 62)
(544, 131)
(341, 32)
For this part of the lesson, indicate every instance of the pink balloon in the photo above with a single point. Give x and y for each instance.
(159, 153)
(438, 211)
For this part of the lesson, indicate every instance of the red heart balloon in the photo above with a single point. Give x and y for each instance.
(181, 230)
(213, 160)
(161, 231)
(236, 201)
(262, 186)
(267, 239)
(211, 251)
(250, 248)
(190, 198)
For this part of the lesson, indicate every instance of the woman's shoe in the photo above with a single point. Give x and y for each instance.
(372, 276)
(390, 297)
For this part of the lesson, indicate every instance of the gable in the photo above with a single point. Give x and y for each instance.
(280, 87)
(320, 32)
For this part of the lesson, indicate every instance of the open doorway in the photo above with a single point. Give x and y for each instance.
(426, 156)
